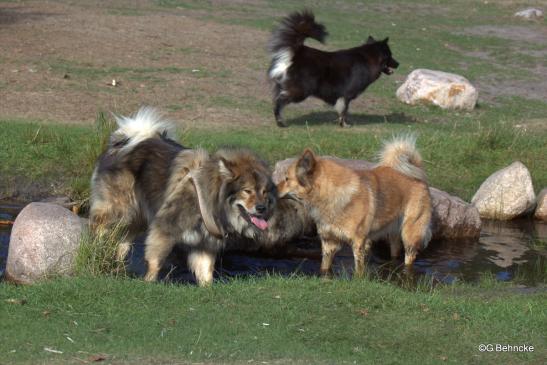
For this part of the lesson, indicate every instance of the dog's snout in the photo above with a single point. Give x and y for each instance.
(260, 208)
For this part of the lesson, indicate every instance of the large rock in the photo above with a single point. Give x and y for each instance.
(541, 207)
(452, 217)
(530, 14)
(506, 194)
(43, 243)
(446, 90)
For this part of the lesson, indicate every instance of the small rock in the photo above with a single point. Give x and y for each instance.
(530, 14)
(506, 194)
(541, 207)
(43, 242)
(446, 90)
(452, 217)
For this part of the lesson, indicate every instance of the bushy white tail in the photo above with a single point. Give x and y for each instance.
(401, 154)
(148, 122)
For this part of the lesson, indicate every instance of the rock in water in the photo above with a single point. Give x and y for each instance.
(446, 90)
(506, 194)
(44, 241)
(453, 217)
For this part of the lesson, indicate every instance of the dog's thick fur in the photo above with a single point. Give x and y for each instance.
(390, 201)
(147, 180)
(298, 71)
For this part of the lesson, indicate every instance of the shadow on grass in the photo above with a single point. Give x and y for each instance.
(328, 117)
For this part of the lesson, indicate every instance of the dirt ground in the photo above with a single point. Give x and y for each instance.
(58, 59)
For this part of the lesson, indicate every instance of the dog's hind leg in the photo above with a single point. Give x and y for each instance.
(328, 251)
(415, 233)
(279, 103)
(202, 264)
(341, 106)
(395, 245)
(158, 246)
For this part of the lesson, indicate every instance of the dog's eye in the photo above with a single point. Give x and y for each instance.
(286, 178)
(248, 191)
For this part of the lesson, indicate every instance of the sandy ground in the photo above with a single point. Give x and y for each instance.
(57, 61)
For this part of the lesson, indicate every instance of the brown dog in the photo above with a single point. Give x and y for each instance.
(390, 201)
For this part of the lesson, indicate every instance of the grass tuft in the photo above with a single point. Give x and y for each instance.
(97, 254)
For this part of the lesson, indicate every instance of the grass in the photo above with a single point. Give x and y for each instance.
(247, 320)
(458, 156)
(50, 158)
(97, 254)
(101, 314)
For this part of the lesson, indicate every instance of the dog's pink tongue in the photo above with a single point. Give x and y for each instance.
(259, 222)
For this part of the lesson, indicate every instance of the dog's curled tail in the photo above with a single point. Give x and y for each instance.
(148, 122)
(294, 29)
(401, 154)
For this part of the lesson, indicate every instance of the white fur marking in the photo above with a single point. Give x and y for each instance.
(191, 237)
(147, 123)
(340, 105)
(282, 60)
(202, 264)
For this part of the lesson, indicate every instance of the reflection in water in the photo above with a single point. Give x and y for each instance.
(505, 250)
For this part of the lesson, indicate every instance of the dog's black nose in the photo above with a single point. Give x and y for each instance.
(260, 208)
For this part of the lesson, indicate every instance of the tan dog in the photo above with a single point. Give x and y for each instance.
(390, 201)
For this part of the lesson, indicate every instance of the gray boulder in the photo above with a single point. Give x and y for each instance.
(43, 243)
(452, 217)
(541, 207)
(506, 194)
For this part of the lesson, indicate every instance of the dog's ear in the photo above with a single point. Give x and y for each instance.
(225, 168)
(305, 167)
(370, 40)
(385, 40)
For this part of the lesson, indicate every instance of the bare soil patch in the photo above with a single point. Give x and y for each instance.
(519, 39)
(58, 60)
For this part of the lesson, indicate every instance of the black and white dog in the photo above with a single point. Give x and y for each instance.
(298, 71)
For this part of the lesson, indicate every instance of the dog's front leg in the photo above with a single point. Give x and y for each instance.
(328, 250)
(360, 248)
(341, 107)
(202, 264)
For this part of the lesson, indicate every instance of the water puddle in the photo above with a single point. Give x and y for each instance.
(515, 250)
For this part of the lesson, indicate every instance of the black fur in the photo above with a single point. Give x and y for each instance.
(330, 76)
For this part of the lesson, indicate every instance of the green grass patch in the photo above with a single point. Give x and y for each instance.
(98, 254)
(296, 320)
(51, 157)
(459, 155)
